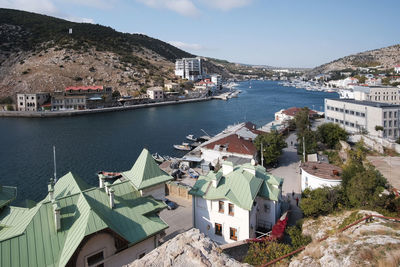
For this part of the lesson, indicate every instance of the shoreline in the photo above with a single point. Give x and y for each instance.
(70, 113)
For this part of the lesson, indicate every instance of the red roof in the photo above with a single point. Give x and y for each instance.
(293, 111)
(234, 144)
(397, 66)
(84, 88)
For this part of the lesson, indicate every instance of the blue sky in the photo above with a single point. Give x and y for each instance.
(289, 33)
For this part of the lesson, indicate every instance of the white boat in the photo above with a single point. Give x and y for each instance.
(184, 146)
(193, 173)
(158, 158)
(191, 137)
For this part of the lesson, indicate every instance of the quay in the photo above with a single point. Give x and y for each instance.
(70, 113)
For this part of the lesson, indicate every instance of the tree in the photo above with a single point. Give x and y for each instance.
(310, 138)
(302, 120)
(116, 94)
(273, 143)
(331, 133)
(360, 78)
(321, 201)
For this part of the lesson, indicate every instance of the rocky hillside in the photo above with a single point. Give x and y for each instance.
(386, 57)
(366, 244)
(187, 249)
(37, 53)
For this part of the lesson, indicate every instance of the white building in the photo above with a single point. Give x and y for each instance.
(171, 86)
(319, 174)
(156, 93)
(31, 102)
(217, 80)
(235, 202)
(189, 68)
(382, 94)
(397, 69)
(358, 116)
(290, 114)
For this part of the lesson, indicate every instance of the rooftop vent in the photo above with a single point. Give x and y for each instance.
(57, 215)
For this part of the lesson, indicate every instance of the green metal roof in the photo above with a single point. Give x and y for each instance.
(239, 186)
(146, 172)
(7, 194)
(28, 237)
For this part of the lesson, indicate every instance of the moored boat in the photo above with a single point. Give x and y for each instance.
(158, 158)
(191, 137)
(184, 147)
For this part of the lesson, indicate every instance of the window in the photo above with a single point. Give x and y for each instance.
(351, 112)
(390, 123)
(218, 229)
(95, 259)
(346, 111)
(357, 113)
(390, 114)
(384, 123)
(221, 206)
(233, 233)
(362, 114)
(231, 209)
(384, 114)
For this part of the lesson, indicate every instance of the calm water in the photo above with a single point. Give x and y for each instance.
(112, 141)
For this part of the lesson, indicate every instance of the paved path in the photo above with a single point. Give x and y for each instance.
(179, 220)
(288, 169)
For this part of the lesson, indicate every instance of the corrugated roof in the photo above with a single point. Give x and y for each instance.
(239, 186)
(29, 236)
(146, 172)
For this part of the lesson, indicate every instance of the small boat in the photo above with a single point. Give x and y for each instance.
(204, 138)
(193, 173)
(184, 146)
(158, 158)
(191, 137)
(195, 144)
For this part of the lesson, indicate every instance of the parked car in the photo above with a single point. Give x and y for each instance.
(170, 204)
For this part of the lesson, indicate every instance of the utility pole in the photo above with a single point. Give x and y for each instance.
(55, 166)
(262, 155)
(304, 150)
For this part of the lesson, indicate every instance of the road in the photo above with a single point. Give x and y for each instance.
(288, 169)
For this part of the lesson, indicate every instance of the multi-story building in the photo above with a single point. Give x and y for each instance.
(236, 202)
(80, 225)
(91, 92)
(359, 116)
(217, 80)
(155, 93)
(383, 94)
(31, 102)
(61, 101)
(189, 68)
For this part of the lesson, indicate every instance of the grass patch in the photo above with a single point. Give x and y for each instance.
(354, 216)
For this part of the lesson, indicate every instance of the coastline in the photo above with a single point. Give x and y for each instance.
(70, 113)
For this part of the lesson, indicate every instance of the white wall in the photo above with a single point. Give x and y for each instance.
(102, 241)
(157, 191)
(206, 214)
(314, 182)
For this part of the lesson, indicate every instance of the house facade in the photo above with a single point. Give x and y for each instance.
(155, 93)
(31, 102)
(236, 202)
(79, 225)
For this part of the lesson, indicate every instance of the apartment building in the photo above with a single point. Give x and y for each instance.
(189, 68)
(31, 102)
(359, 116)
(383, 94)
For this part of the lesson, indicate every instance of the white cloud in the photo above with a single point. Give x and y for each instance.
(187, 46)
(46, 7)
(103, 4)
(226, 4)
(183, 7)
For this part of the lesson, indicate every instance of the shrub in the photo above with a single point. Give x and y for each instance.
(261, 253)
(331, 133)
(297, 238)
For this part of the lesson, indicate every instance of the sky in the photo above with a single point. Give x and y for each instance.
(282, 33)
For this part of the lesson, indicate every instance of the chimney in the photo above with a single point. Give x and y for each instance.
(107, 186)
(111, 193)
(57, 215)
(50, 189)
(227, 167)
(251, 169)
(101, 179)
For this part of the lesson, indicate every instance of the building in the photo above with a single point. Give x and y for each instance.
(172, 87)
(319, 174)
(155, 93)
(61, 101)
(397, 69)
(382, 94)
(235, 202)
(91, 92)
(360, 116)
(79, 225)
(217, 80)
(189, 68)
(290, 114)
(32, 102)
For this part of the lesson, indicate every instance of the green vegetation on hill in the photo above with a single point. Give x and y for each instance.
(41, 32)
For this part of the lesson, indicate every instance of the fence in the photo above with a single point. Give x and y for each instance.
(177, 189)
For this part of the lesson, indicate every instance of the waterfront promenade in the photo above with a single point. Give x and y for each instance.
(70, 113)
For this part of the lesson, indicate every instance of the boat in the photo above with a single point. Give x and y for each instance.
(184, 146)
(191, 137)
(204, 138)
(193, 173)
(158, 158)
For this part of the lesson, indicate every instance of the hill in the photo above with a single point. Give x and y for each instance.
(386, 57)
(37, 53)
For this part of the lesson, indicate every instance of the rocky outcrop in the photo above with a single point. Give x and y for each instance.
(376, 243)
(187, 249)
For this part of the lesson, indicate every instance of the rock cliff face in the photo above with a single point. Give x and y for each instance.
(386, 57)
(367, 244)
(187, 249)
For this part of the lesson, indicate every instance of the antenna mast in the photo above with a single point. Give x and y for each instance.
(262, 155)
(304, 150)
(55, 165)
